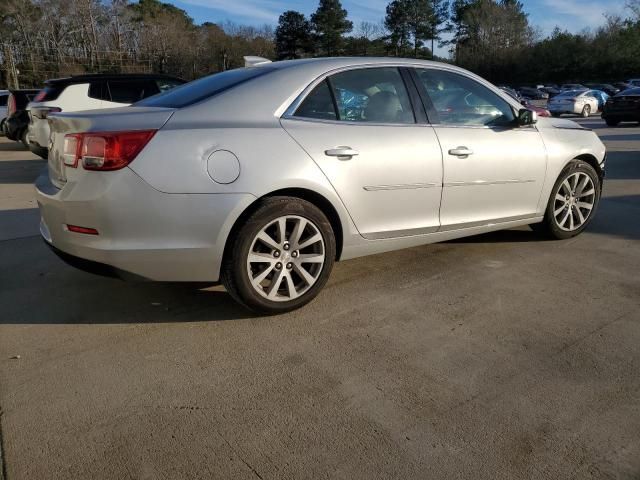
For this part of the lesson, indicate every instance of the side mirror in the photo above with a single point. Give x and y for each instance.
(527, 117)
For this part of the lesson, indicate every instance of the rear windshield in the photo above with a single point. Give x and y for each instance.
(203, 88)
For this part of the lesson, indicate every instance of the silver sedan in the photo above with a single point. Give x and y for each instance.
(263, 177)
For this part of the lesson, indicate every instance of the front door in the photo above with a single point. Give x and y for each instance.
(493, 169)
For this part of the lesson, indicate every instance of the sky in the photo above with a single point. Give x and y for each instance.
(572, 15)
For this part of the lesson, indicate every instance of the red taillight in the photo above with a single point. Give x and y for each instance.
(105, 150)
(85, 230)
(11, 105)
(40, 96)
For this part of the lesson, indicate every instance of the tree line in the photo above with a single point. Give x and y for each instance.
(42, 39)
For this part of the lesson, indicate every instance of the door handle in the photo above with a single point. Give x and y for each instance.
(462, 152)
(344, 153)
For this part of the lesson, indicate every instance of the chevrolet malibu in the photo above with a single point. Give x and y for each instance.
(263, 177)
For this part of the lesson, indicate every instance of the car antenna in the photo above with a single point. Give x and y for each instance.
(252, 61)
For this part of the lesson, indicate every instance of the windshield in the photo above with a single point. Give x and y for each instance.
(203, 88)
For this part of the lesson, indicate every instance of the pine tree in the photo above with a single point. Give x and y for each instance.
(330, 24)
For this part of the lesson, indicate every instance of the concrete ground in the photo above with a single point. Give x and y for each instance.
(501, 356)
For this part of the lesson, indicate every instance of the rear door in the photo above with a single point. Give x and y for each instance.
(493, 169)
(360, 128)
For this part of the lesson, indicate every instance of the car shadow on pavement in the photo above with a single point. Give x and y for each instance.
(623, 165)
(632, 137)
(13, 147)
(522, 234)
(20, 171)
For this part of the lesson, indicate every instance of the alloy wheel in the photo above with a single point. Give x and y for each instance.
(574, 201)
(286, 258)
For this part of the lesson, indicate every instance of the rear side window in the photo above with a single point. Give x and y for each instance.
(318, 104)
(131, 91)
(206, 87)
(98, 91)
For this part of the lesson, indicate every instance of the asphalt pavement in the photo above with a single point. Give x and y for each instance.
(501, 356)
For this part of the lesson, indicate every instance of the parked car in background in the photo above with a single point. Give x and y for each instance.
(576, 102)
(623, 107)
(622, 86)
(533, 93)
(4, 98)
(552, 91)
(262, 177)
(89, 92)
(17, 121)
(573, 86)
(512, 93)
(601, 96)
(634, 82)
(604, 87)
(542, 112)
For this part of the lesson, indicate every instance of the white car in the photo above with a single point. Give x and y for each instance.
(88, 92)
(578, 102)
(4, 97)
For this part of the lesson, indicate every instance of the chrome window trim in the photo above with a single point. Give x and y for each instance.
(289, 113)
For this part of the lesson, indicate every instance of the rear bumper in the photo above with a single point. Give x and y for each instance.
(142, 232)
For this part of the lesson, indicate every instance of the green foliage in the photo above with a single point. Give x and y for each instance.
(330, 23)
(293, 36)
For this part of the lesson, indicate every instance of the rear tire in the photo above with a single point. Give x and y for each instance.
(23, 138)
(611, 123)
(573, 202)
(280, 257)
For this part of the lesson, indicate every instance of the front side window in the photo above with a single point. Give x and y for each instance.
(459, 100)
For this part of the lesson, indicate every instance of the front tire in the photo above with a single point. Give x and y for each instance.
(280, 257)
(611, 122)
(23, 138)
(573, 201)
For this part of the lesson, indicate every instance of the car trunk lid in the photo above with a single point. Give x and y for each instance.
(109, 120)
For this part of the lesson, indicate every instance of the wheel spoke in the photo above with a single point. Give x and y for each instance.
(571, 227)
(585, 205)
(267, 240)
(298, 229)
(316, 237)
(558, 211)
(564, 219)
(272, 292)
(282, 230)
(559, 198)
(591, 191)
(306, 276)
(567, 187)
(580, 217)
(311, 258)
(257, 280)
(256, 257)
(291, 288)
(582, 185)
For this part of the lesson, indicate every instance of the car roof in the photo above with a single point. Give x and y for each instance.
(110, 76)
